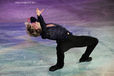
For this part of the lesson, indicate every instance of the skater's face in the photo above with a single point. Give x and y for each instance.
(36, 26)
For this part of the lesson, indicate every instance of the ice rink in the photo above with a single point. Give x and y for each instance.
(22, 55)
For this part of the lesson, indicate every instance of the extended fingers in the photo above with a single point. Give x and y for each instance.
(38, 11)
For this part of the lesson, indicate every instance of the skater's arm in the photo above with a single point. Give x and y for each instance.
(42, 22)
(40, 19)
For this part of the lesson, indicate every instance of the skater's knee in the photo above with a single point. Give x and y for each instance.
(96, 41)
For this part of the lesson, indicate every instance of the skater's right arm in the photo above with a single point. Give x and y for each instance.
(41, 20)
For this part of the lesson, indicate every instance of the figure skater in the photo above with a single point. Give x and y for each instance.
(64, 39)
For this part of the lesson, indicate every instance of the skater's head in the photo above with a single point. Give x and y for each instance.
(32, 31)
(33, 19)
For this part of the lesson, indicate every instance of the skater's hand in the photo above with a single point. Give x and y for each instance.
(38, 12)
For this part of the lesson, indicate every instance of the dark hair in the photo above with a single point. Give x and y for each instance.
(33, 19)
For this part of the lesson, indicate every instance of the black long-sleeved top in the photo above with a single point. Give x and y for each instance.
(56, 32)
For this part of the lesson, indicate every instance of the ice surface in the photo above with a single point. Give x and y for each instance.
(21, 55)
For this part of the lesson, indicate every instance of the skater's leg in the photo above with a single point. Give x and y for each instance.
(62, 47)
(60, 59)
(82, 41)
(91, 44)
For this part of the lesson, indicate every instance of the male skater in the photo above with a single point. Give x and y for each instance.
(64, 39)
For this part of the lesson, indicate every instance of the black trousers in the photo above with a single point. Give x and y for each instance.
(75, 41)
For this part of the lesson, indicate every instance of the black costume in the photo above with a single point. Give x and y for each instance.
(65, 40)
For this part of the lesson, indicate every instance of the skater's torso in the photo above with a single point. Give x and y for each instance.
(56, 32)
